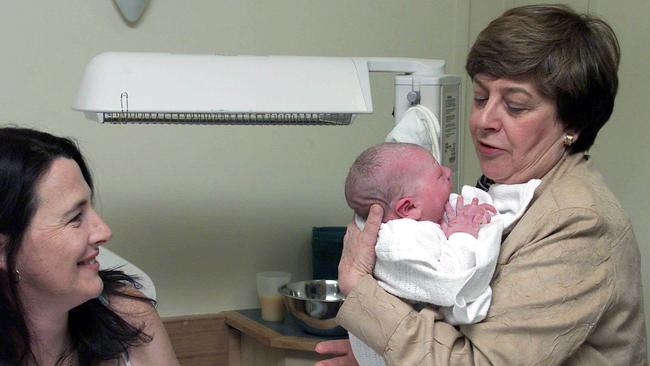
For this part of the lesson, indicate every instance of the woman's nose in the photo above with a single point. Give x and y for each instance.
(100, 232)
(486, 117)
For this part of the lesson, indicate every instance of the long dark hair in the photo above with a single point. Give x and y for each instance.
(97, 332)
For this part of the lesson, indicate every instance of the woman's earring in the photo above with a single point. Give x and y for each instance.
(17, 275)
(568, 139)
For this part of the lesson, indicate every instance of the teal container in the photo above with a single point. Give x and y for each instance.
(326, 248)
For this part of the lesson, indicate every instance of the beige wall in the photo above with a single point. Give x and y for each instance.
(202, 208)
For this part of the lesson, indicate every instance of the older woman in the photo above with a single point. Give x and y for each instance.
(56, 307)
(566, 289)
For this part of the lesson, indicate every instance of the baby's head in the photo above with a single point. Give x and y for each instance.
(404, 179)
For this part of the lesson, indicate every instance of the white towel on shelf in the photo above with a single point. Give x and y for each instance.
(418, 126)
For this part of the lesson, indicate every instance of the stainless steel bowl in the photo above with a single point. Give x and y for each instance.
(314, 305)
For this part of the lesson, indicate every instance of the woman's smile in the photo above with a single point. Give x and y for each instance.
(90, 262)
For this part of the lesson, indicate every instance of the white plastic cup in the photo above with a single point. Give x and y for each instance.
(271, 302)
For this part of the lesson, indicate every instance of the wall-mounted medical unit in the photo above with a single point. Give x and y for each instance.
(137, 87)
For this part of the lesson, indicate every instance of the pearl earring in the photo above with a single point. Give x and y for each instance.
(568, 139)
(17, 275)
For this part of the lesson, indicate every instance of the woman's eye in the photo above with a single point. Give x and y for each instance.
(515, 109)
(77, 219)
(479, 100)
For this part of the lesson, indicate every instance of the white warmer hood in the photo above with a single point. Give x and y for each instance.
(123, 87)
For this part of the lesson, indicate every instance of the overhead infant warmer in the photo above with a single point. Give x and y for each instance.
(128, 87)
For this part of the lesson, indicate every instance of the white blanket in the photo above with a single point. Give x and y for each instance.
(416, 262)
(423, 266)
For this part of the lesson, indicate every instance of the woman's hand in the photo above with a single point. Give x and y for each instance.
(358, 257)
(338, 347)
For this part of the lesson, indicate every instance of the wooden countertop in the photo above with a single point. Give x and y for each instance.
(285, 335)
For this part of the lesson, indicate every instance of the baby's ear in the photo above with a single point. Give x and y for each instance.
(407, 208)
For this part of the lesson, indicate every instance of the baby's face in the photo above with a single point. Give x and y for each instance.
(434, 189)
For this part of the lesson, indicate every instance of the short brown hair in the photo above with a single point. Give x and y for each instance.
(573, 59)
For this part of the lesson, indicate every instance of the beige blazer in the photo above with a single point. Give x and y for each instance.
(566, 291)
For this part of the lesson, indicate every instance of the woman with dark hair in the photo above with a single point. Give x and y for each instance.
(56, 306)
(567, 285)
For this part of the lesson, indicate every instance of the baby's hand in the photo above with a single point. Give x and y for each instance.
(484, 210)
(466, 218)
